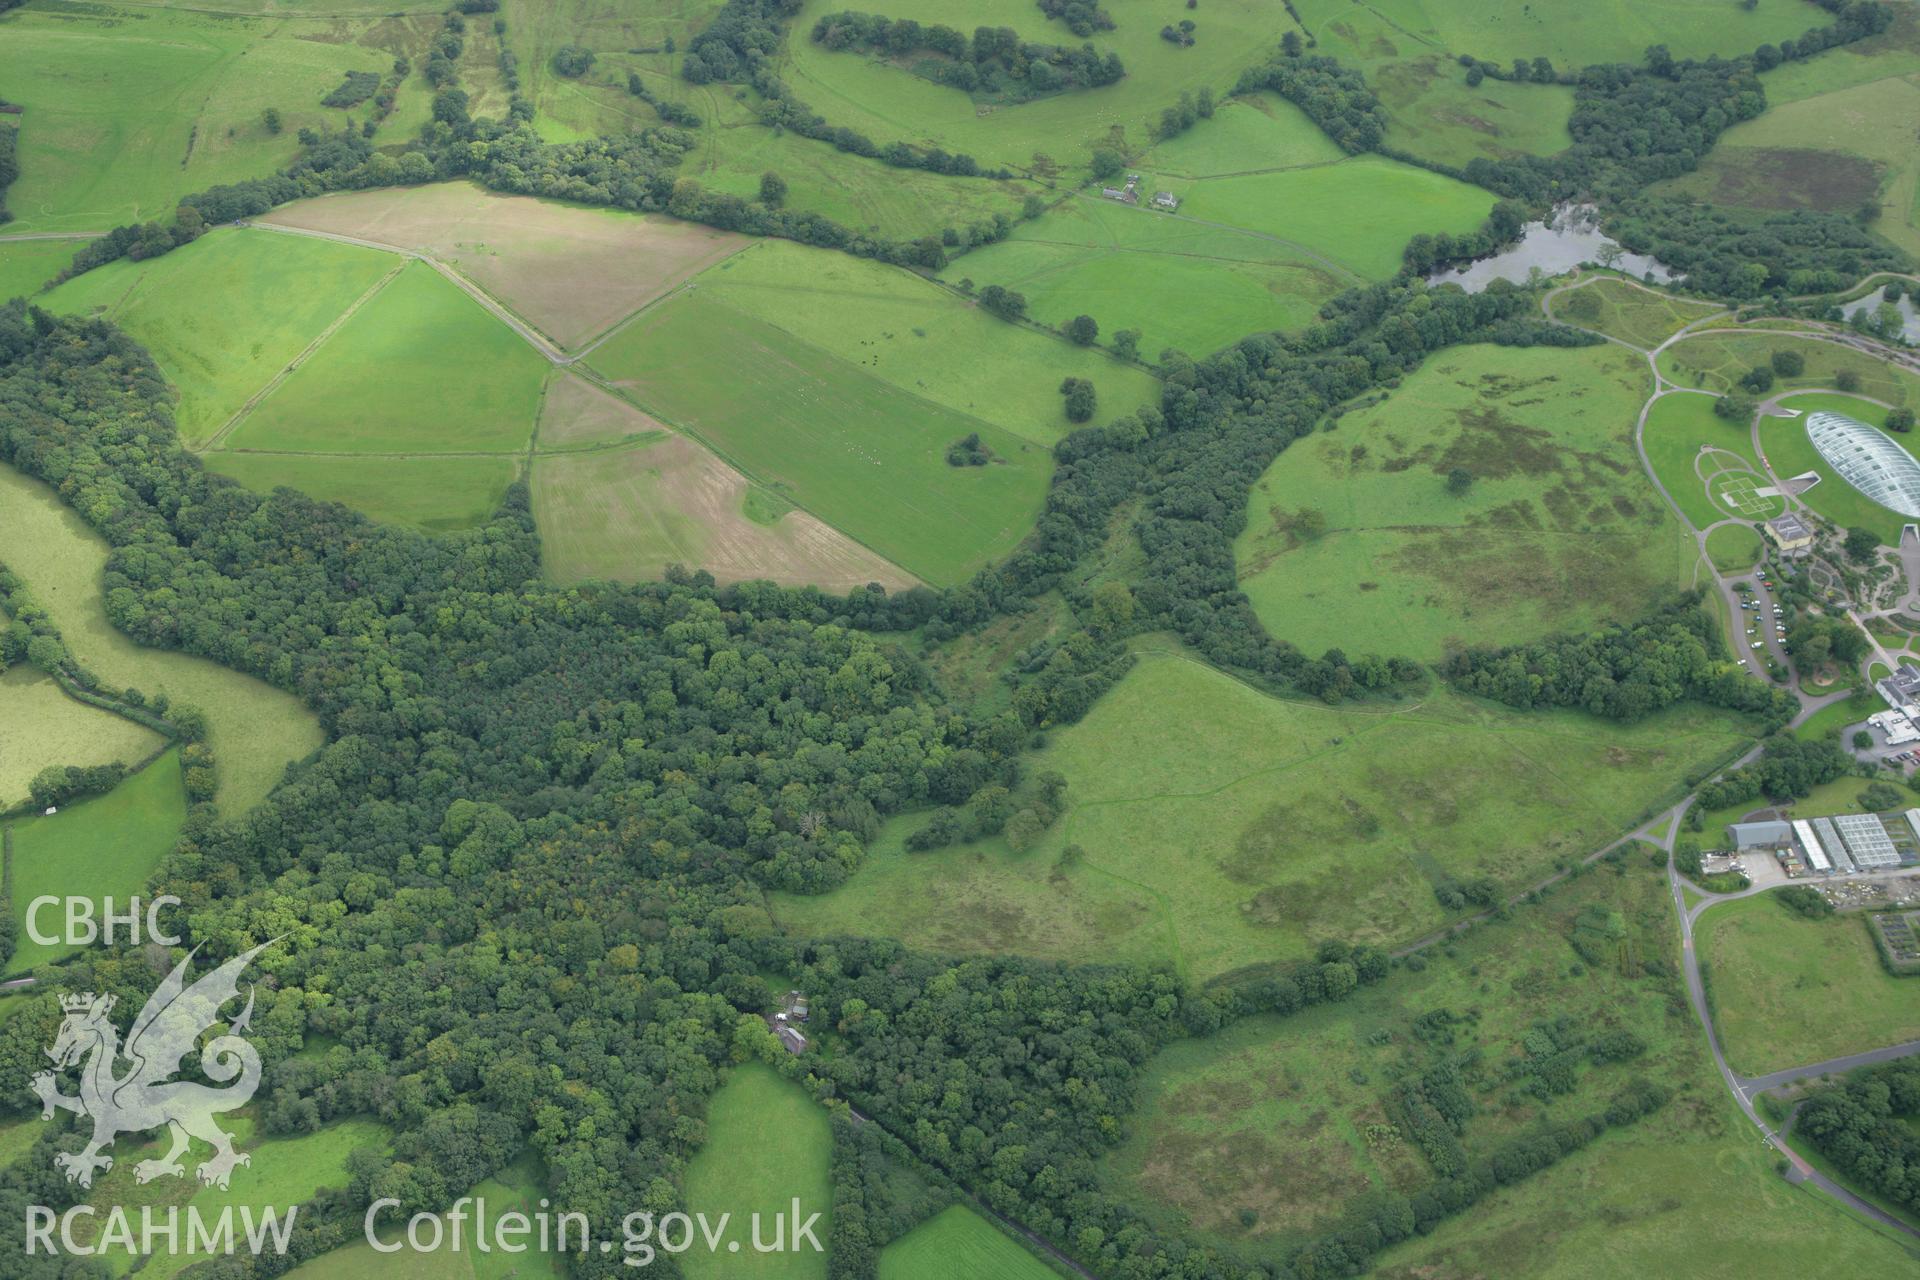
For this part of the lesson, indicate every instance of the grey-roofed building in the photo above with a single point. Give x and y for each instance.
(1760, 835)
(1867, 840)
(1836, 847)
(1789, 532)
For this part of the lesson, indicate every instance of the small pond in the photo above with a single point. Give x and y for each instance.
(1571, 237)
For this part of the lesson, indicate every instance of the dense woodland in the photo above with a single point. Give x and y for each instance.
(1864, 1124)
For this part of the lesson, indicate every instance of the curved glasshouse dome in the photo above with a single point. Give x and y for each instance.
(1868, 459)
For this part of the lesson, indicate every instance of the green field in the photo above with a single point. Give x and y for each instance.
(1791, 453)
(768, 1143)
(1262, 1133)
(254, 729)
(42, 726)
(1838, 150)
(1733, 548)
(225, 314)
(1677, 428)
(1715, 361)
(1577, 36)
(923, 339)
(1788, 991)
(1432, 112)
(856, 451)
(433, 494)
(1630, 312)
(1833, 719)
(1558, 529)
(888, 103)
(1359, 213)
(517, 1189)
(127, 110)
(1894, 52)
(1244, 828)
(862, 194)
(1183, 284)
(420, 368)
(286, 1170)
(106, 846)
(25, 265)
(959, 1244)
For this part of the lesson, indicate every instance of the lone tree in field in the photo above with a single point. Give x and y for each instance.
(1083, 330)
(1459, 480)
(1126, 344)
(1846, 380)
(1080, 399)
(1107, 162)
(271, 118)
(773, 190)
(1789, 364)
(1900, 420)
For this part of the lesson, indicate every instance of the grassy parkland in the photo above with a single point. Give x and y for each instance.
(1632, 313)
(1494, 497)
(1790, 453)
(1705, 462)
(1716, 359)
(1247, 829)
(255, 730)
(1789, 991)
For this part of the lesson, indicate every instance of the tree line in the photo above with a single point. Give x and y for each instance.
(995, 62)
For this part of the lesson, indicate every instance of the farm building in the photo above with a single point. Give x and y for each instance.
(1166, 200)
(1810, 845)
(1760, 835)
(1790, 533)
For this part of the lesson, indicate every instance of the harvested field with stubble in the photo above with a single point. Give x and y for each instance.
(570, 271)
(627, 513)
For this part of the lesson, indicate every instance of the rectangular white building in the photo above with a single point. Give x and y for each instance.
(1810, 845)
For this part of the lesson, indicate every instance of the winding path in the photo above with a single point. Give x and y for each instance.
(1664, 829)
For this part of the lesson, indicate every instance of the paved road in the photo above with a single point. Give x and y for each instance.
(1664, 829)
(1742, 1090)
(1832, 1066)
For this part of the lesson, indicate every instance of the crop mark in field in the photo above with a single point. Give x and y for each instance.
(232, 424)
